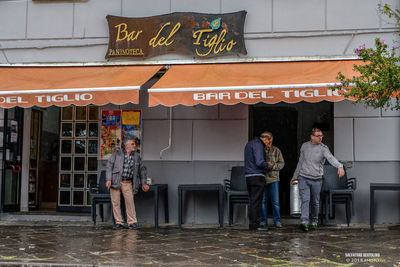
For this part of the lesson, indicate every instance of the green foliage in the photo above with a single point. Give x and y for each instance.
(378, 81)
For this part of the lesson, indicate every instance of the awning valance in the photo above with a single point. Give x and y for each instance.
(63, 86)
(250, 83)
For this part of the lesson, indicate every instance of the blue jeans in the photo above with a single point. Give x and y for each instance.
(272, 190)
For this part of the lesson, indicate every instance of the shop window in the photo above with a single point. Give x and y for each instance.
(78, 198)
(80, 129)
(67, 113)
(66, 146)
(65, 198)
(80, 114)
(66, 129)
(79, 141)
(65, 180)
(80, 146)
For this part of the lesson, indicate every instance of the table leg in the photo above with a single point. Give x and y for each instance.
(371, 208)
(94, 212)
(221, 207)
(180, 208)
(166, 207)
(101, 212)
(156, 208)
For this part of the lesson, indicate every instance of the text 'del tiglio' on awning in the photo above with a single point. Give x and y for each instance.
(63, 86)
(250, 83)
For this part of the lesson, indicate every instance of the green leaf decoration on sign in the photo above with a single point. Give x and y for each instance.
(216, 23)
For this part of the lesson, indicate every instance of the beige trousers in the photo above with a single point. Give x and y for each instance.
(127, 191)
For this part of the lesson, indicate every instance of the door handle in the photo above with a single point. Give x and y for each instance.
(16, 168)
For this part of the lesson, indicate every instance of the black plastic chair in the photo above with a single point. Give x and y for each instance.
(337, 190)
(99, 194)
(236, 190)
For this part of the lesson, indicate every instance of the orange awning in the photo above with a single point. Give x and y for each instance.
(250, 83)
(63, 86)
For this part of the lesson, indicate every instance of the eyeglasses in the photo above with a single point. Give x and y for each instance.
(321, 135)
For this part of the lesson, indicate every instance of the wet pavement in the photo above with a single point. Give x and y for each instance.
(62, 244)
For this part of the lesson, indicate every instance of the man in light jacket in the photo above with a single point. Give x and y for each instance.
(125, 173)
(274, 158)
(309, 172)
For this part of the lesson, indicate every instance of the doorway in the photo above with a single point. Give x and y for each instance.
(11, 153)
(290, 125)
(43, 178)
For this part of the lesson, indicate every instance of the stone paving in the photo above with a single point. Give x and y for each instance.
(57, 244)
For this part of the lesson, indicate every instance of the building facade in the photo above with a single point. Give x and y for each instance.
(198, 143)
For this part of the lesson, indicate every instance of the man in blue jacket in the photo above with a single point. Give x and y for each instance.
(255, 168)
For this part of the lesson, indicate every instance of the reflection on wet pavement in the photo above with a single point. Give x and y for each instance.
(86, 245)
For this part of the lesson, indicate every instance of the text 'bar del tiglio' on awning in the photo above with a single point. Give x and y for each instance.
(63, 86)
(250, 83)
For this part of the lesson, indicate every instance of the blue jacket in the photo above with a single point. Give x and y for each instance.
(254, 158)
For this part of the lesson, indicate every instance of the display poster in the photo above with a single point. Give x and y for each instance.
(131, 123)
(110, 132)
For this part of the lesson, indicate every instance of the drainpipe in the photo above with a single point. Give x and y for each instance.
(170, 133)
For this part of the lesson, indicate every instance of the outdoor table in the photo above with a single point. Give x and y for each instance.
(202, 187)
(156, 188)
(372, 188)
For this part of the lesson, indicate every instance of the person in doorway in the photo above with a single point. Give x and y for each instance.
(309, 173)
(274, 158)
(125, 173)
(255, 168)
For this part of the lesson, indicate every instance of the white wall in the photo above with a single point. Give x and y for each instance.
(78, 32)
(369, 138)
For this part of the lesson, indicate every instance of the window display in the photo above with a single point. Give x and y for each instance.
(80, 113)
(78, 197)
(79, 147)
(65, 180)
(66, 129)
(66, 146)
(67, 113)
(79, 180)
(80, 129)
(65, 198)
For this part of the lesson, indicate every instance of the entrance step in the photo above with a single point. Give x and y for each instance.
(45, 216)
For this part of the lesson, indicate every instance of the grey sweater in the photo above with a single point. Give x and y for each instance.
(312, 159)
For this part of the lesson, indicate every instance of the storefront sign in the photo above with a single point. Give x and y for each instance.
(294, 95)
(197, 34)
(231, 97)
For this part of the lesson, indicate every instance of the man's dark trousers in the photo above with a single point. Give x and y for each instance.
(255, 187)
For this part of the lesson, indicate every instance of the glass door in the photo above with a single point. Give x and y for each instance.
(12, 147)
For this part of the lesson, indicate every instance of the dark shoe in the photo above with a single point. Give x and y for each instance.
(118, 227)
(304, 227)
(314, 226)
(133, 226)
(278, 225)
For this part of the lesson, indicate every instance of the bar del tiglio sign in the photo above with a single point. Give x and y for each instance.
(197, 34)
